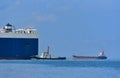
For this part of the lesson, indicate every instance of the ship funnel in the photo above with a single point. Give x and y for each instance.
(102, 53)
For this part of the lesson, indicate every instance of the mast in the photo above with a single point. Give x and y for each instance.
(48, 49)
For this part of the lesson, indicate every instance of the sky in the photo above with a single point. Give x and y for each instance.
(80, 27)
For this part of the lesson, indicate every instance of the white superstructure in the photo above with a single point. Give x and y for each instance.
(9, 32)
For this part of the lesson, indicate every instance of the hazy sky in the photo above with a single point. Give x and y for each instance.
(81, 27)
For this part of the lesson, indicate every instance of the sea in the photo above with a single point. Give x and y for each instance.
(59, 69)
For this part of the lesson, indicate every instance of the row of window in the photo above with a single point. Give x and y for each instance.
(26, 32)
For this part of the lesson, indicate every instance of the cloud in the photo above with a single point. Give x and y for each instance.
(8, 6)
(44, 18)
(18, 2)
(63, 8)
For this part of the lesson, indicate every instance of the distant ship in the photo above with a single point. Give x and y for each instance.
(47, 56)
(101, 57)
(18, 43)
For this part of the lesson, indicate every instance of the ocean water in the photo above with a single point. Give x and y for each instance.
(59, 69)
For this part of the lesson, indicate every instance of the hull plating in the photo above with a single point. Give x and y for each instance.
(18, 48)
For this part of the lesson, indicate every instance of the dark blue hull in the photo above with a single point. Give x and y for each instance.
(89, 57)
(55, 58)
(18, 48)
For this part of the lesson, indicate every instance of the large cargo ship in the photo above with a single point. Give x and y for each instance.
(18, 43)
(100, 57)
